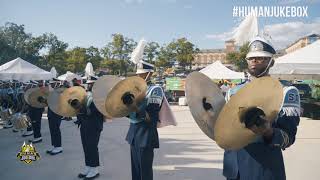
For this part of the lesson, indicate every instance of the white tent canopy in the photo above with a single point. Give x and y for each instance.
(300, 64)
(69, 76)
(21, 70)
(217, 70)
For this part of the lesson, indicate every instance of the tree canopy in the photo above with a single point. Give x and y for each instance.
(48, 51)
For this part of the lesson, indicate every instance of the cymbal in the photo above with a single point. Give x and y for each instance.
(71, 93)
(53, 99)
(101, 89)
(27, 93)
(134, 85)
(265, 93)
(199, 86)
(35, 94)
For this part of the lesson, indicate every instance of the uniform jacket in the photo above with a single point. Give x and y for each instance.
(261, 159)
(143, 132)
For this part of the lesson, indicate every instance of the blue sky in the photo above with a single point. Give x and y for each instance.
(204, 22)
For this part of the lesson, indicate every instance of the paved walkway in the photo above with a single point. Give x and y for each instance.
(185, 153)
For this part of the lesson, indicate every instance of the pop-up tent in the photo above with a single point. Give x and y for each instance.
(303, 63)
(69, 76)
(217, 70)
(21, 70)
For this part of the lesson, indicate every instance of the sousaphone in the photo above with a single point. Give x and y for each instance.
(264, 94)
(134, 86)
(199, 88)
(101, 88)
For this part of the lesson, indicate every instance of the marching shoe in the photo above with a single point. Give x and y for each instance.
(27, 133)
(15, 130)
(36, 140)
(8, 125)
(93, 173)
(49, 151)
(56, 151)
(84, 172)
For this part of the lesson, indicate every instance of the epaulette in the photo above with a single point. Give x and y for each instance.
(291, 101)
(155, 95)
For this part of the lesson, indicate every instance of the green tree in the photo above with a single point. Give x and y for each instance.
(56, 53)
(76, 59)
(164, 57)
(239, 58)
(112, 65)
(151, 51)
(93, 56)
(184, 52)
(106, 51)
(15, 42)
(120, 48)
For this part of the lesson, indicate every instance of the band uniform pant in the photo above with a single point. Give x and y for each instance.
(141, 163)
(54, 127)
(238, 177)
(90, 136)
(36, 126)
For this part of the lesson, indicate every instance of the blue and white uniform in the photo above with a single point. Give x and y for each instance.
(262, 159)
(143, 134)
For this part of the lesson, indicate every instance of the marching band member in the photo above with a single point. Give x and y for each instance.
(9, 101)
(91, 125)
(54, 125)
(262, 159)
(143, 134)
(35, 115)
(26, 107)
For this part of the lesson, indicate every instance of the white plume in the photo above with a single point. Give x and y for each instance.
(89, 70)
(247, 30)
(137, 54)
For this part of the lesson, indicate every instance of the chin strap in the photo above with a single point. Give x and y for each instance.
(267, 68)
(147, 77)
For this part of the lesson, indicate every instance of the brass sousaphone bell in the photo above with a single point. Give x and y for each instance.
(200, 88)
(133, 86)
(264, 94)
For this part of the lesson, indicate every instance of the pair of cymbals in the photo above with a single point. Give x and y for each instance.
(107, 92)
(222, 122)
(53, 99)
(133, 85)
(199, 86)
(266, 93)
(32, 96)
(26, 95)
(59, 100)
(101, 88)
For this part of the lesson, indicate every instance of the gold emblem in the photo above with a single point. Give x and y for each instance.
(28, 153)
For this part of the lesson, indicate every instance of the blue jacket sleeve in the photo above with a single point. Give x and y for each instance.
(154, 102)
(285, 127)
(284, 133)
